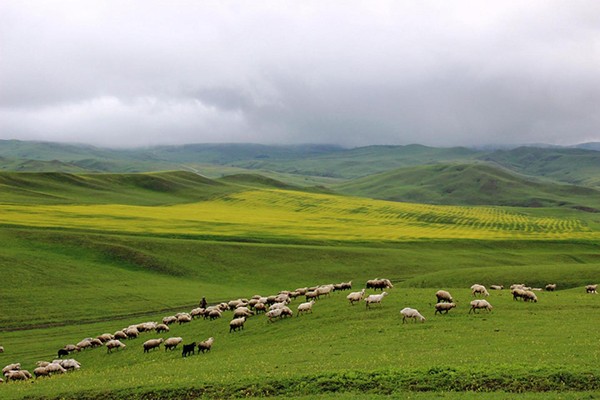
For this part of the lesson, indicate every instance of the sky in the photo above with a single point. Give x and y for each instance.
(354, 73)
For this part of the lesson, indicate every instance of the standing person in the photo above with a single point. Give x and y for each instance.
(203, 302)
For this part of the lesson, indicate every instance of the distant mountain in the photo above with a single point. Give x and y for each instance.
(468, 184)
(589, 146)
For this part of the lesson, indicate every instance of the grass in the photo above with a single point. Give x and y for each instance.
(76, 270)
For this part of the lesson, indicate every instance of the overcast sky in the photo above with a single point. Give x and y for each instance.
(442, 73)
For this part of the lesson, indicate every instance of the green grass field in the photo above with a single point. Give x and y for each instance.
(99, 261)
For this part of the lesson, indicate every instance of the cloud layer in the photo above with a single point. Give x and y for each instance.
(125, 73)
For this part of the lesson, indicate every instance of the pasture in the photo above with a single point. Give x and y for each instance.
(72, 271)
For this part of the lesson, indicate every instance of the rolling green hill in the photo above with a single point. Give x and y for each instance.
(474, 184)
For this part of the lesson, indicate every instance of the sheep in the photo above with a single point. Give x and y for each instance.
(529, 296)
(172, 342)
(214, 314)
(188, 348)
(206, 345)
(305, 307)
(324, 290)
(479, 289)
(551, 287)
(260, 307)
(301, 291)
(120, 335)
(152, 344)
(68, 364)
(197, 312)
(42, 363)
(439, 307)
(375, 298)
(162, 328)
(443, 296)
(84, 344)
(11, 367)
(411, 313)
(591, 289)
(286, 311)
(1, 349)
(184, 318)
(131, 332)
(105, 337)
(379, 284)
(62, 352)
(236, 324)
(518, 293)
(355, 297)
(242, 312)
(96, 343)
(497, 287)
(17, 375)
(114, 344)
(342, 286)
(55, 368)
(41, 371)
(273, 313)
(312, 295)
(146, 326)
(477, 304)
(169, 320)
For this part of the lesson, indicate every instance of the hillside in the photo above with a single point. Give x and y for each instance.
(472, 184)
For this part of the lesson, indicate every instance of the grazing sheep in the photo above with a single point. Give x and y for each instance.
(518, 293)
(188, 349)
(152, 344)
(105, 337)
(62, 352)
(355, 297)
(206, 345)
(84, 344)
(242, 312)
(379, 284)
(411, 313)
(551, 287)
(96, 343)
(41, 371)
(146, 326)
(286, 311)
(305, 307)
(497, 287)
(260, 307)
(342, 286)
(17, 375)
(42, 363)
(11, 367)
(591, 289)
(479, 289)
(197, 312)
(214, 314)
(162, 328)
(114, 344)
(55, 368)
(120, 335)
(1, 349)
(312, 295)
(439, 307)
(169, 320)
(172, 342)
(131, 332)
(68, 364)
(273, 313)
(374, 298)
(236, 324)
(301, 291)
(478, 304)
(443, 296)
(529, 296)
(184, 318)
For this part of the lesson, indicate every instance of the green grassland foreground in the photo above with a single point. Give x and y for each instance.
(73, 271)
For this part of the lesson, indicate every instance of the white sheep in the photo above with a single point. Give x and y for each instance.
(443, 296)
(131, 332)
(169, 320)
(374, 298)
(591, 289)
(152, 344)
(184, 318)
(411, 313)
(479, 289)
(162, 328)
(242, 312)
(273, 313)
(355, 297)
(105, 337)
(68, 364)
(439, 307)
(17, 375)
(530, 296)
(11, 367)
(478, 304)
(496, 287)
(305, 307)
(114, 344)
(551, 287)
(41, 371)
(1, 349)
(236, 324)
(172, 342)
(206, 345)
(55, 368)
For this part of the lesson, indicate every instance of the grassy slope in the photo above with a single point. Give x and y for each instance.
(87, 283)
(468, 184)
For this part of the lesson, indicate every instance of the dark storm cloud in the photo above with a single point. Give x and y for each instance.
(353, 73)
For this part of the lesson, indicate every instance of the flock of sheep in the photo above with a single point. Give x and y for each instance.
(274, 307)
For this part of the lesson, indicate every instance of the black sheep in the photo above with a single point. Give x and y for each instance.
(188, 349)
(62, 352)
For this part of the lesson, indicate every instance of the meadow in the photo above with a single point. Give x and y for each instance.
(78, 269)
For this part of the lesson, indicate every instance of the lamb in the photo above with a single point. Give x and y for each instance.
(479, 289)
(172, 342)
(305, 307)
(439, 307)
(236, 324)
(591, 289)
(355, 297)
(162, 328)
(478, 304)
(412, 313)
(114, 344)
(152, 344)
(443, 296)
(375, 298)
(206, 345)
(188, 348)
(497, 287)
